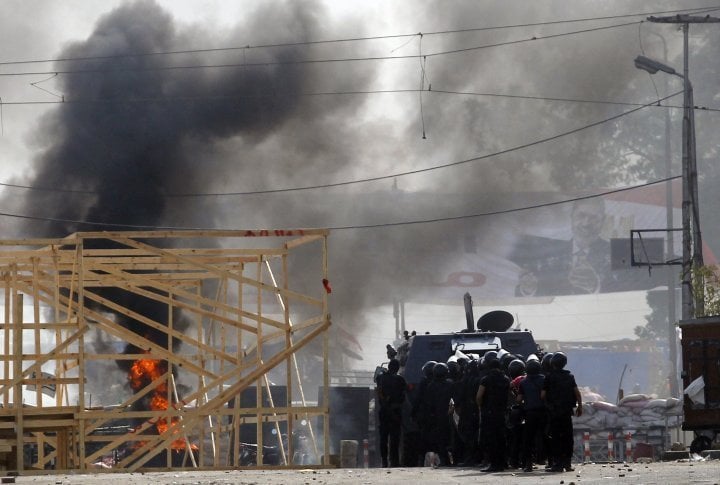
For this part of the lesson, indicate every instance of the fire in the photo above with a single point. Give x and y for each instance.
(145, 371)
(142, 373)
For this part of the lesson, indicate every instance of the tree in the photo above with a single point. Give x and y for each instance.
(656, 326)
(706, 287)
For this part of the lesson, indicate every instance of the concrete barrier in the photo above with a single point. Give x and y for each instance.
(348, 453)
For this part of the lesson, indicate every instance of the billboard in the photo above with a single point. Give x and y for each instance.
(576, 248)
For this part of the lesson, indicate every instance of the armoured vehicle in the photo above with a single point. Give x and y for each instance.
(493, 332)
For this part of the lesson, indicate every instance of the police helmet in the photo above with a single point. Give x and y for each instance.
(516, 368)
(440, 371)
(427, 368)
(559, 360)
(506, 359)
(546, 361)
(493, 364)
(532, 357)
(490, 355)
(533, 367)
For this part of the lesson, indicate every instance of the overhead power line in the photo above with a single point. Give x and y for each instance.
(507, 211)
(379, 177)
(359, 39)
(245, 65)
(339, 228)
(276, 95)
(435, 167)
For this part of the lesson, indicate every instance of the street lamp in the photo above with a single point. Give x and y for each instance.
(692, 241)
(651, 66)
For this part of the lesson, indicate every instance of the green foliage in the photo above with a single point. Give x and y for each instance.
(656, 326)
(706, 288)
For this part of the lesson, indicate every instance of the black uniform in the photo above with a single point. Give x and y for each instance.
(495, 388)
(391, 396)
(469, 425)
(437, 430)
(559, 387)
(420, 414)
(535, 418)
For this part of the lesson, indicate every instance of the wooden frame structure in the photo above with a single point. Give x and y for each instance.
(85, 315)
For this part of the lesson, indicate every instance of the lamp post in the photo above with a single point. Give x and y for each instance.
(692, 305)
(692, 241)
(671, 274)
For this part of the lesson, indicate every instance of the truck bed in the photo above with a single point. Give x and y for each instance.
(701, 357)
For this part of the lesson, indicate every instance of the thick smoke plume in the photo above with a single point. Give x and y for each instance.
(137, 130)
(143, 129)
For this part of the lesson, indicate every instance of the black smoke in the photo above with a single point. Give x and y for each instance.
(139, 127)
(135, 125)
(137, 130)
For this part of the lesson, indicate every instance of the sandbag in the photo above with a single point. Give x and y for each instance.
(588, 408)
(634, 397)
(611, 420)
(657, 403)
(676, 410)
(582, 419)
(605, 406)
(650, 412)
(635, 403)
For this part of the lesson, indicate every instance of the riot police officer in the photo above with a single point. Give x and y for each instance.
(492, 399)
(390, 397)
(436, 403)
(561, 395)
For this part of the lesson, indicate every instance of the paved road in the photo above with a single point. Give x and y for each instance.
(636, 474)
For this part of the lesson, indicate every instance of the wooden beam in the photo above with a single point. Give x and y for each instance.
(62, 274)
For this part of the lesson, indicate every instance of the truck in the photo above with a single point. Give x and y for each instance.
(700, 345)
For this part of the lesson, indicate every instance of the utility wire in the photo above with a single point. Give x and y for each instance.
(170, 99)
(437, 167)
(430, 91)
(507, 211)
(363, 226)
(301, 61)
(533, 38)
(380, 177)
(358, 39)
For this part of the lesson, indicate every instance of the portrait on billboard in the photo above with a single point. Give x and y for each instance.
(585, 263)
(579, 265)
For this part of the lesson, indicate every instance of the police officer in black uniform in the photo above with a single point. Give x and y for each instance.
(436, 403)
(492, 399)
(561, 395)
(391, 389)
(469, 423)
(420, 410)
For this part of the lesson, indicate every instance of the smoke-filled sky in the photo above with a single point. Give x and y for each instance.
(170, 98)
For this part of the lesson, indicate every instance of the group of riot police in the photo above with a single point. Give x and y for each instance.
(497, 411)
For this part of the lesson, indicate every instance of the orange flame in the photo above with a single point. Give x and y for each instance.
(142, 373)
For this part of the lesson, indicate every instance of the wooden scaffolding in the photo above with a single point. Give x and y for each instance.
(164, 349)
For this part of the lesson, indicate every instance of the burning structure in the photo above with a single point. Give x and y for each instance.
(139, 345)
